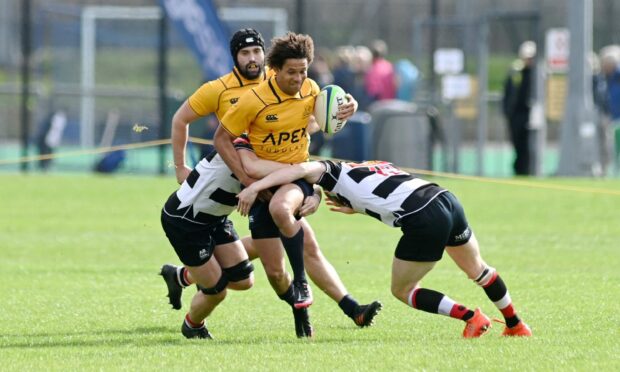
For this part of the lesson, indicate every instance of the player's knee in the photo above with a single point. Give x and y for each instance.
(217, 289)
(402, 292)
(396, 290)
(281, 213)
(275, 276)
(240, 276)
(240, 271)
(242, 285)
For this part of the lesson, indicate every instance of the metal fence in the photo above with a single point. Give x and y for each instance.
(125, 72)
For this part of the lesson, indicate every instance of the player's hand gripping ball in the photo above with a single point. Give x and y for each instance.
(326, 107)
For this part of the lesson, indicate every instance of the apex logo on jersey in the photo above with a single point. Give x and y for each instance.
(271, 117)
(202, 253)
(293, 137)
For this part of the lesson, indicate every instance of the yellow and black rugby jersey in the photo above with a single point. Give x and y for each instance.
(275, 121)
(216, 96)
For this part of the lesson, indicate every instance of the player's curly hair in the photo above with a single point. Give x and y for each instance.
(290, 46)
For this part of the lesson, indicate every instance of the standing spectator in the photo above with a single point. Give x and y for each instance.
(407, 76)
(603, 123)
(320, 72)
(360, 64)
(380, 80)
(50, 135)
(610, 68)
(516, 105)
(344, 75)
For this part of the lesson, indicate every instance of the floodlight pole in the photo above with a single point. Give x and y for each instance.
(538, 121)
(434, 13)
(577, 140)
(162, 82)
(25, 74)
(299, 10)
(483, 89)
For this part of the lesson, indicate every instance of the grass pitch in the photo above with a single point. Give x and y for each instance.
(79, 257)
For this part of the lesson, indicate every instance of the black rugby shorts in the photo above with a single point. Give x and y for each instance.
(426, 233)
(261, 222)
(194, 243)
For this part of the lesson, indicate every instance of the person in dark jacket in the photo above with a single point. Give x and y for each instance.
(516, 105)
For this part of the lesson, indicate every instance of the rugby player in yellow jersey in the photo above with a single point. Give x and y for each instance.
(275, 115)
(217, 96)
(247, 49)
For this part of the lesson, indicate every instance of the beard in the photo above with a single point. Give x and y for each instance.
(251, 71)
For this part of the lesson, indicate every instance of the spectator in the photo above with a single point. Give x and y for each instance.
(362, 60)
(320, 72)
(344, 74)
(516, 105)
(380, 80)
(407, 76)
(610, 67)
(50, 135)
(599, 96)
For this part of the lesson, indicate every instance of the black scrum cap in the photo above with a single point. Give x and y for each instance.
(244, 38)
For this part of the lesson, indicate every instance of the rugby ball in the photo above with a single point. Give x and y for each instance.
(326, 107)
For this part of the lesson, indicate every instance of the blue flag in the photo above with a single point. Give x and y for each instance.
(204, 34)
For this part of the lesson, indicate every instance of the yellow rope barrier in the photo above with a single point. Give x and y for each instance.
(131, 146)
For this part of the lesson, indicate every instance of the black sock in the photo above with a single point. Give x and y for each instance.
(288, 296)
(428, 300)
(294, 247)
(348, 305)
(497, 292)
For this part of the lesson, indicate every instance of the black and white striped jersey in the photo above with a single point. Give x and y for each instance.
(378, 189)
(208, 193)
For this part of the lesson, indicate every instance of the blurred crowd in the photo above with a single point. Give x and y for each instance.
(365, 73)
(517, 106)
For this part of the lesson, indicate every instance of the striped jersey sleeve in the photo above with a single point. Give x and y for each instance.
(208, 193)
(378, 189)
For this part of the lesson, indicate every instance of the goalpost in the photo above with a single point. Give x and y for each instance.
(90, 15)
(271, 21)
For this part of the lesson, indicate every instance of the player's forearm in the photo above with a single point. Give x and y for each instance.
(222, 141)
(256, 167)
(179, 136)
(313, 125)
(279, 177)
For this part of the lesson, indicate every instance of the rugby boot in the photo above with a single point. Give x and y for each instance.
(190, 332)
(303, 328)
(169, 273)
(477, 325)
(520, 330)
(302, 293)
(365, 314)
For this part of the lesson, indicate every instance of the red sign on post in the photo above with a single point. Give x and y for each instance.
(557, 47)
